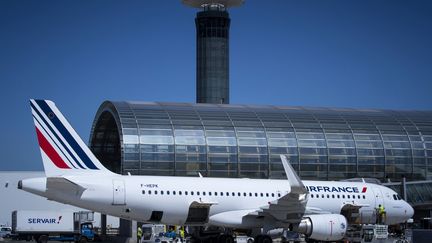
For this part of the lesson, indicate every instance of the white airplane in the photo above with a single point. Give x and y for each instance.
(321, 210)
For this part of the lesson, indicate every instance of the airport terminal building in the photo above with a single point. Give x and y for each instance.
(218, 140)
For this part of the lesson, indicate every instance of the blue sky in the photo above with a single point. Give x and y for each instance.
(337, 53)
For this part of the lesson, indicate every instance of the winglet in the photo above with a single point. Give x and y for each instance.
(294, 181)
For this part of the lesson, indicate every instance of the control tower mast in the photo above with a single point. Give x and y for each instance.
(212, 49)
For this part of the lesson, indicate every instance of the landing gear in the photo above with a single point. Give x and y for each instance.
(225, 239)
(263, 239)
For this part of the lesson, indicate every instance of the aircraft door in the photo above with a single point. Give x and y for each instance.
(379, 198)
(119, 192)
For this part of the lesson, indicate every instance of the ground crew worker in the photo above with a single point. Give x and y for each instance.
(381, 213)
(182, 234)
(139, 234)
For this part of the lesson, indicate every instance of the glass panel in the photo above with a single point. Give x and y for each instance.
(130, 139)
(370, 152)
(340, 144)
(342, 151)
(398, 152)
(220, 133)
(282, 142)
(397, 145)
(190, 140)
(252, 142)
(339, 136)
(311, 143)
(280, 135)
(191, 158)
(227, 141)
(156, 132)
(190, 149)
(157, 157)
(369, 144)
(301, 135)
(367, 137)
(156, 140)
(222, 158)
(222, 149)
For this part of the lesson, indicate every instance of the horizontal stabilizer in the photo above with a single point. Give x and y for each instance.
(61, 184)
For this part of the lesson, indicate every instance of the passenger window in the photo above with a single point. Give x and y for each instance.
(244, 194)
(174, 192)
(333, 196)
(256, 194)
(180, 192)
(149, 192)
(239, 194)
(358, 196)
(279, 194)
(250, 194)
(311, 195)
(322, 195)
(192, 193)
(215, 193)
(198, 193)
(343, 196)
(168, 192)
(204, 193)
(186, 193)
(338, 196)
(210, 193)
(233, 194)
(328, 196)
(364, 197)
(348, 196)
(143, 192)
(155, 192)
(267, 194)
(272, 194)
(261, 194)
(227, 193)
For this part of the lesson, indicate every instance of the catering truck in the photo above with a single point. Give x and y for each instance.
(43, 226)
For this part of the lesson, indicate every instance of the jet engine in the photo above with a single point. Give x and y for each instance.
(325, 227)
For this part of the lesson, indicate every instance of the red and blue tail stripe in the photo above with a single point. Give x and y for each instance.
(58, 140)
(66, 134)
(41, 120)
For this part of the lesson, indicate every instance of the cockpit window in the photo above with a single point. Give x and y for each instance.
(395, 197)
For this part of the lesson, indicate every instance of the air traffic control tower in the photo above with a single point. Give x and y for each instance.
(212, 49)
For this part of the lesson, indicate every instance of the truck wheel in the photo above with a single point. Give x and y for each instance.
(83, 240)
(42, 239)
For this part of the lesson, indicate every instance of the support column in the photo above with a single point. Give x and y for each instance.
(128, 230)
(103, 224)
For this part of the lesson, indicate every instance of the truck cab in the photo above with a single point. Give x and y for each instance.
(86, 232)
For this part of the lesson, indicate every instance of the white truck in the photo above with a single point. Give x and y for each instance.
(43, 226)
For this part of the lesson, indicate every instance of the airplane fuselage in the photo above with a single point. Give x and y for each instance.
(141, 197)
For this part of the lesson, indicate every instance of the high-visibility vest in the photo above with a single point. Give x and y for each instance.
(381, 210)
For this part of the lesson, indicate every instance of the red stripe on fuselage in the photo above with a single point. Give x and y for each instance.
(50, 151)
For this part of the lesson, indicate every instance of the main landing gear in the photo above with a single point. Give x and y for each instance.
(263, 239)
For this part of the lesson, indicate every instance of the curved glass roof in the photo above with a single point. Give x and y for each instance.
(245, 141)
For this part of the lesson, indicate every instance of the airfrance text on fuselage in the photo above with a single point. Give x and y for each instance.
(349, 189)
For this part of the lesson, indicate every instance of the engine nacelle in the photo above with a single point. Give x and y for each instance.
(325, 227)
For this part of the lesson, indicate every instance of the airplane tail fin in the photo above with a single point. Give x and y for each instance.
(63, 151)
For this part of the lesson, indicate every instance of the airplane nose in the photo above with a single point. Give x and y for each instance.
(409, 211)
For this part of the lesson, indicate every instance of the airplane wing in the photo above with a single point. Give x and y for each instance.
(291, 207)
